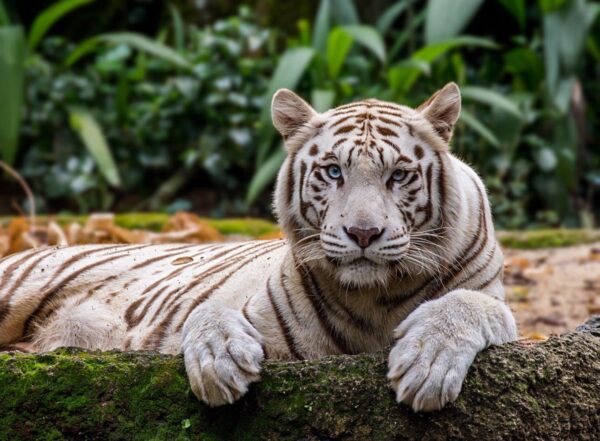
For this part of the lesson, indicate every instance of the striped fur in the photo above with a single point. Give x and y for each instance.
(431, 279)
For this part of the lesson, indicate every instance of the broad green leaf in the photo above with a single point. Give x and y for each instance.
(447, 19)
(344, 12)
(4, 18)
(291, 67)
(386, 20)
(178, 28)
(265, 175)
(145, 44)
(338, 46)
(565, 32)
(550, 6)
(526, 65)
(92, 136)
(475, 124)
(518, 10)
(322, 100)
(49, 16)
(404, 74)
(411, 27)
(82, 49)
(368, 37)
(322, 26)
(12, 72)
(433, 51)
(491, 98)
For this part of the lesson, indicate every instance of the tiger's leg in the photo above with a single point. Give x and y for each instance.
(222, 351)
(17, 347)
(89, 324)
(438, 341)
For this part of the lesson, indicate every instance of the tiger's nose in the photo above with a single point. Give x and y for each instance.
(363, 237)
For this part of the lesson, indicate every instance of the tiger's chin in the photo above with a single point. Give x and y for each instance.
(363, 273)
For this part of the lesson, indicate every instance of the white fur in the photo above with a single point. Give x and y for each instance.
(222, 353)
(230, 306)
(437, 343)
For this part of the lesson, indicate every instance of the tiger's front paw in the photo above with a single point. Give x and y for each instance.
(223, 354)
(427, 366)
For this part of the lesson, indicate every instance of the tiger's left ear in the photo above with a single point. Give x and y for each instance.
(289, 112)
(442, 110)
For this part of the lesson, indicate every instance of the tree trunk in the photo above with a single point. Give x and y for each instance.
(544, 391)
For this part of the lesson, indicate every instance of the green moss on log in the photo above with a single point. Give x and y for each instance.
(550, 238)
(547, 391)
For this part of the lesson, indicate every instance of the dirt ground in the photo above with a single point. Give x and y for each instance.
(554, 290)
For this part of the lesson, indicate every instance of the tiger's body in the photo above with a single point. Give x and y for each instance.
(389, 241)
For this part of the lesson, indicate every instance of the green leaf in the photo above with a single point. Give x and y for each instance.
(404, 74)
(344, 12)
(178, 28)
(265, 175)
(386, 20)
(4, 18)
(92, 136)
(491, 98)
(433, 51)
(517, 9)
(550, 6)
(322, 26)
(447, 19)
(338, 46)
(145, 44)
(49, 16)
(12, 73)
(291, 67)
(368, 37)
(322, 100)
(82, 49)
(475, 124)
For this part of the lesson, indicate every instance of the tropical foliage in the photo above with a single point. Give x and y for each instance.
(122, 118)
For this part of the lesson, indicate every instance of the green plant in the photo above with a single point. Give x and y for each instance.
(167, 124)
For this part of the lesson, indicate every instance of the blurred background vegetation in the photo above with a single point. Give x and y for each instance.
(148, 105)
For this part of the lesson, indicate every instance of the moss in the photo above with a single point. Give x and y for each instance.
(156, 221)
(512, 392)
(244, 226)
(547, 238)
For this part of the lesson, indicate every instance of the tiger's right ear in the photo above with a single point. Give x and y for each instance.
(289, 112)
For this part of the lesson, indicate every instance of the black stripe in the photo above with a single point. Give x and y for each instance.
(285, 330)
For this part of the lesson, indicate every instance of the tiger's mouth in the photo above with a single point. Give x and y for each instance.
(362, 261)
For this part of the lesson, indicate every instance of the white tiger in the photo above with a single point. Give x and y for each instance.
(389, 241)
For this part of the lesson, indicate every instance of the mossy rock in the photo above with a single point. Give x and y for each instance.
(547, 391)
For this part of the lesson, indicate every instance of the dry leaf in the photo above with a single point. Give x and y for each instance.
(534, 336)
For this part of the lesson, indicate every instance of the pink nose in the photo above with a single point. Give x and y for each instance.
(363, 237)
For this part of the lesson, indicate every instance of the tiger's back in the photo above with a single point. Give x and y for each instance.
(122, 296)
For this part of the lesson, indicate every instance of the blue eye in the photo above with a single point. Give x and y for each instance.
(398, 175)
(334, 172)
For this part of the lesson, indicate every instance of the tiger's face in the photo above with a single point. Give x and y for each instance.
(362, 182)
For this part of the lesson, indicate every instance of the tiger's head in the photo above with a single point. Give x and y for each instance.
(363, 184)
